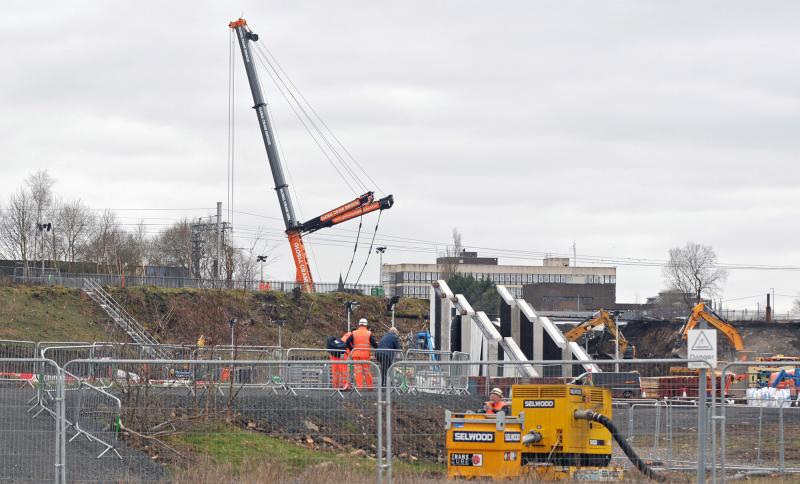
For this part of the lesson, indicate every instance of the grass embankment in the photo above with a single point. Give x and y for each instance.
(247, 456)
(41, 313)
(184, 314)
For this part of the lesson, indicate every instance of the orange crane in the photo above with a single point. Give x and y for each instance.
(702, 313)
(603, 318)
(295, 229)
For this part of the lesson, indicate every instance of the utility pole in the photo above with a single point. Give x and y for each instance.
(261, 259)
(391, 306)
(42, 227)
(380, 251)
(219, 241)
(232, 323)
(349, 306)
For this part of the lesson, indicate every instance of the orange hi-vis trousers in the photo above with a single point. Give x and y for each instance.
(363, 372)
(340, 374)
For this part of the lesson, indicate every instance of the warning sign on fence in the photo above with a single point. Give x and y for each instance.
(702, 345)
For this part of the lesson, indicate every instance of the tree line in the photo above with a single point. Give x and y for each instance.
(40, 227)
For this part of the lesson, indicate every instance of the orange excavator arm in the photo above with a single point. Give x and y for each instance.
(602, 317)
(702, 313)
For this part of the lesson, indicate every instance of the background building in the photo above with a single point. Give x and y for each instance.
(414, 280)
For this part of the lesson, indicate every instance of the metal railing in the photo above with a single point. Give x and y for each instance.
(120, 315)
(103, 407)
(76, 281)
(759, 429)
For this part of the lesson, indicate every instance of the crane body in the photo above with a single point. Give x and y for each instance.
(295, 229)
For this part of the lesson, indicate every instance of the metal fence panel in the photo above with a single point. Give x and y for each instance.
(28, 445)
(215, 420)
(760, 414)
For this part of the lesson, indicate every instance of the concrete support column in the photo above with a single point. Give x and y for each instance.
(515, 332)
(466, 335)
(566, 354)
(490, 353)
(538, 344)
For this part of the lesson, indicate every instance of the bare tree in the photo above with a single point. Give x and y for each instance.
(40, 188)
(448, 264)
(795, 311)
(693, 271)
(75, 223)
(173, 246)
(18, 226)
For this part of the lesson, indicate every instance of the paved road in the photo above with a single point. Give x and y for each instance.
(27, 448)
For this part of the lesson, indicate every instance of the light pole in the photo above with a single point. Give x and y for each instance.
(349, 306)
(380, 251)
(391, 305)
(262, 259)
(280, 323)
(42, 228)
(232, 323)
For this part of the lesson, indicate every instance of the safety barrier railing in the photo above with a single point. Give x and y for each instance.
(29, 448)
(159, 419)
(759, 422)
(119, 314)
(22, 372)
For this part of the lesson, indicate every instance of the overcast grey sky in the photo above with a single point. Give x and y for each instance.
(628, 127)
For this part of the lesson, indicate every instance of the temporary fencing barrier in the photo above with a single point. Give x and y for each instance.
(21, 372)
(760, 419)
(161, 419)
(29, 448)
(117, 407)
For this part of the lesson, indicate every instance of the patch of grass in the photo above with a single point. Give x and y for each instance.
(235, 448)
(41, 313)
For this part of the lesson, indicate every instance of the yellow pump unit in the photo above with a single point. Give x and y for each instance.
(557, 432)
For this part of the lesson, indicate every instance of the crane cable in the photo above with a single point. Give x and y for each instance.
(261, 49)
(308, 123)
(322, 121)
(371, 243)
(355, 248)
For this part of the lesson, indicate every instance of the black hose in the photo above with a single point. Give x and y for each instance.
(623, 444)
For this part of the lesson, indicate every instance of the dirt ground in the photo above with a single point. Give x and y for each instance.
(655, 339)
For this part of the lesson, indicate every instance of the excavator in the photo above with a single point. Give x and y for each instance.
(604, 318)
(295, 229)
(702, 313)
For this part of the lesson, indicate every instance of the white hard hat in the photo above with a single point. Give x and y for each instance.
(363, 322)
(497, 391)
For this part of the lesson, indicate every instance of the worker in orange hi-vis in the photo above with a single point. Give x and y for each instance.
(360, 344)
(344, 369)
(337, 351)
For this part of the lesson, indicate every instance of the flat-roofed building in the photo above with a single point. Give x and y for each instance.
(414, 280)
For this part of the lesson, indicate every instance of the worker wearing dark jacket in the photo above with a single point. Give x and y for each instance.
(360, 344)
(388, 347)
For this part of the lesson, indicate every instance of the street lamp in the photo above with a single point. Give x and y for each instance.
(42, 228)
(280, 323)
(380, 251)
(262, 259)
(391, 305)
(232, 323)
(349, 306)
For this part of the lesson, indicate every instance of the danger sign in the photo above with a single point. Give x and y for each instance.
(702, 345)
